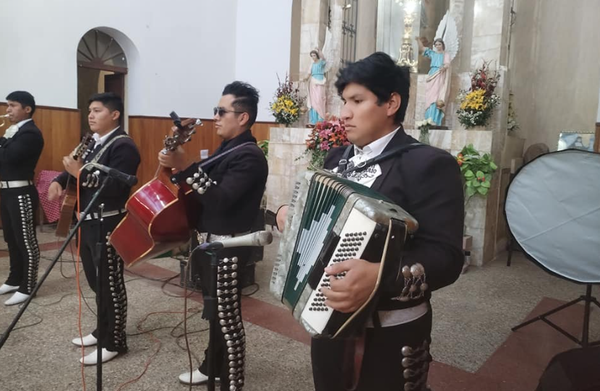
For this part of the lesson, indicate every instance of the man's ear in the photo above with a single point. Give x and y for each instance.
(115, 115)
(244, 118)
(393, 104)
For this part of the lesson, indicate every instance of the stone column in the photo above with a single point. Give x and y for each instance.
(491, 19)
(286, 160)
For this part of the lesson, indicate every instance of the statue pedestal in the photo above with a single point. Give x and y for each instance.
(286, 160)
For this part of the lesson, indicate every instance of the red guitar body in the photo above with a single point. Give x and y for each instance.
(156, 222)
(158, 219)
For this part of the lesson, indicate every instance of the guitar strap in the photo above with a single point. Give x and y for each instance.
(218, 157)
(105, 147)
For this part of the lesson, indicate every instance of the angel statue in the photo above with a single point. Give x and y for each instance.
(316, 98)
(322, 61)
(445, 47)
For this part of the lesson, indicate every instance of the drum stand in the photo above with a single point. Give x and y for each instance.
(587, 299)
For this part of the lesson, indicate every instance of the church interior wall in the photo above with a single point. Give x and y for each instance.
(555, 75)
(179, 56)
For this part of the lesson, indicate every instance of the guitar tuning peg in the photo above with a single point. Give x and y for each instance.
(201, 190)
(195, 186)
(189, 180)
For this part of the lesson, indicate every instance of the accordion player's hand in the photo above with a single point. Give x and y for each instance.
(348, 293)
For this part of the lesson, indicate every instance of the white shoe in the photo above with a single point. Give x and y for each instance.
(88, 340)
(5, 288)
(17, 298)
(92, 358)
(194, 378)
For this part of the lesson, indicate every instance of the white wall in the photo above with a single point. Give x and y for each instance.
(263, 40)
(180, 53)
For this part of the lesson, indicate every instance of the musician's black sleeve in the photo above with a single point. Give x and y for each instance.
(62, 179)
(25, 147)
(125, 157)
(244, 173)
(434, 192)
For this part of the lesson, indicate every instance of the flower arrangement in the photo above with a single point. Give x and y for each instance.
(424, 127)
(326, 134)
(477, 104)
(476, 170)
(286, 102)
(512, 124)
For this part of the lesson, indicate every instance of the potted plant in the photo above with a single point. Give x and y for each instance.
(477, 104)
(477, 171)
(324, 136)
(286, 103)
(424, 127)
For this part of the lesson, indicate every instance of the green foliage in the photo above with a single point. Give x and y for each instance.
(477, 171)
(264, 146)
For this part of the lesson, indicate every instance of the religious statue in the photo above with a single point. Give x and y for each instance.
(324, 60)
(445, 47)
(316, 97)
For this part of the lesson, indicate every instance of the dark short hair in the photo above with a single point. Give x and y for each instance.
(24, 98)
(316, 53)
(380, 75)
(246, 99)
(110, 100)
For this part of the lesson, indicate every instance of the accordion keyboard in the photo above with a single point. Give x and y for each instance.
(354, 237)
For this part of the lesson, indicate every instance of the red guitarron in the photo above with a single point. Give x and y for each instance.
(68, 206)
(157, 218)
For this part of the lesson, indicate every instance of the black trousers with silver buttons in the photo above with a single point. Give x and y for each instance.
(113, 310)
(18, 208)
(395, 358)
(230, 342)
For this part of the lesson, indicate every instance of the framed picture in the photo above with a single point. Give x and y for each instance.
(576, 140)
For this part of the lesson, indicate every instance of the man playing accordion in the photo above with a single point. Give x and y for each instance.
(426, 183)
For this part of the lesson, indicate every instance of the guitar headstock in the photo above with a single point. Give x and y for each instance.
(182, 131)
(83, 146)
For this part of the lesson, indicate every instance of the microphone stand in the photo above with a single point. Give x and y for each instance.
(97, 257)
(6, 334)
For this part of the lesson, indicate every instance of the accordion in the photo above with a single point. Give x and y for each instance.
(330, 220)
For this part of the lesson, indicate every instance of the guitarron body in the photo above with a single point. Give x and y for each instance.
(157, 220)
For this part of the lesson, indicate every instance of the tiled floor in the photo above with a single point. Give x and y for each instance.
(473, 346)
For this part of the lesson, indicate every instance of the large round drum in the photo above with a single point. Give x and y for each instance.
(553, 211)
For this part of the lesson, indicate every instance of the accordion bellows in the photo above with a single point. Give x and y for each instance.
(330, 220)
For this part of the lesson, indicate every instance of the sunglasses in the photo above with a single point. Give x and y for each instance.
(221, 111)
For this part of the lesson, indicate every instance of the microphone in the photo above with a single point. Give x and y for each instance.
(129, 180)
(260, 238)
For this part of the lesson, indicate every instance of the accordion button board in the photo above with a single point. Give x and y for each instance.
(354, 238)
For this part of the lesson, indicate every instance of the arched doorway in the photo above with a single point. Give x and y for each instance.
(101, 67)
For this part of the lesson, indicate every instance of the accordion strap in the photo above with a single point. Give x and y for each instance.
(343, 171)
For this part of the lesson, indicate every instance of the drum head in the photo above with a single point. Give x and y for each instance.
(553, 211)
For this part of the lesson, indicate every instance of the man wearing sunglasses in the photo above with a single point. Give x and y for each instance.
(229, 188)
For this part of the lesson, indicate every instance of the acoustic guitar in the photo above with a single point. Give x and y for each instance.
(68, 206)
(158, 213)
